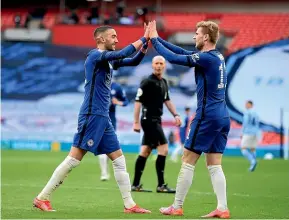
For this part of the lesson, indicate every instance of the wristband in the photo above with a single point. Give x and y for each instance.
(175, 115)
(145, 46)
(143, 40)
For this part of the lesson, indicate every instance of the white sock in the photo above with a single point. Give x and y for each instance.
(123, 181)
(58, 176)
(103, 162)
(184, 183)
(219, 184)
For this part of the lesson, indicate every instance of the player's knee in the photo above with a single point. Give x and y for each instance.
(213, 159)
(119, 164)
(77, 153)
(190, 157)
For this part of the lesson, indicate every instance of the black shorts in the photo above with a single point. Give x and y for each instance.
(153, 133)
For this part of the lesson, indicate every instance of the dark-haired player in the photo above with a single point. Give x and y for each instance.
(95, 131)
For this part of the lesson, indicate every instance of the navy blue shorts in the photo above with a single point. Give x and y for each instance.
(208, 136)
(113, 121)
(96, 134)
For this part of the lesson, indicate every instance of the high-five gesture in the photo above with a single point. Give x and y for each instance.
(153, 29)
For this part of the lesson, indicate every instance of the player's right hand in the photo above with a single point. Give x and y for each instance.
(136, 127)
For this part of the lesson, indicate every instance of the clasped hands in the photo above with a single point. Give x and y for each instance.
(150, 30)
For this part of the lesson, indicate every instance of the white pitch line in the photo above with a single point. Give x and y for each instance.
(116, 189)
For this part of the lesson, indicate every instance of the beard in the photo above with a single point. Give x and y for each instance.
(200, 46)
(110, 47)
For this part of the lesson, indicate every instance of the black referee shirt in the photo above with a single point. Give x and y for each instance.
(153, 92)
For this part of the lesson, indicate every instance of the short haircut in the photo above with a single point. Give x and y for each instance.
(250, 102)
(158, 57)
(187, 109)
(101, 29)
(211, 28)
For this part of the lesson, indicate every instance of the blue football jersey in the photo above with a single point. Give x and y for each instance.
(98, 74)
(210, 76)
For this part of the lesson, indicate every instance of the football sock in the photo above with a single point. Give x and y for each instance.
(184, 183)
(123, 181)
(219, 184)
(103, 162)
(58, 176)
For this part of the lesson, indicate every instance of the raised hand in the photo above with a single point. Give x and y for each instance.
(153, 29)
(146, 31)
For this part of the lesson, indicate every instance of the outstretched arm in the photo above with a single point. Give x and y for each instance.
(174, 48)
(131, 61)
(184, 60)
(196, 59)
(200, 59)
(125, 52)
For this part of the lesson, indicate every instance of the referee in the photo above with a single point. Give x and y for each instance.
(151, 95)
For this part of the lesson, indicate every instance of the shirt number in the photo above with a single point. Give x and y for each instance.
(222, 69)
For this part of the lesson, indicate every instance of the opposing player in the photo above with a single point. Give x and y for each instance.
(95, 131)
(183, 134)
(118, 98)
(250, 130)
(150, 98)
(210, 127)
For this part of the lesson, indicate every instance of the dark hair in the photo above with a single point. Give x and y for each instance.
(187, 108)
(250, 102)
(101, 29)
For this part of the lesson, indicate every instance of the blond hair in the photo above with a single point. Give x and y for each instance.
(211, 28)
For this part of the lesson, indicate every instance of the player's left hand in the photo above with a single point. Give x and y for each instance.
(178, 121)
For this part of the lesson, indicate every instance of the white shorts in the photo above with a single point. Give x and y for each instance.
(249, 141)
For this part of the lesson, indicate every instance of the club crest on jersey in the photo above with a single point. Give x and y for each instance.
(90, 142)
(195, 57)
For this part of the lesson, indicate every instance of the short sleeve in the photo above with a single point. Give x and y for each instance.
(142, 91)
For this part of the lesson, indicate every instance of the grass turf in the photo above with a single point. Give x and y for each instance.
(261, 194)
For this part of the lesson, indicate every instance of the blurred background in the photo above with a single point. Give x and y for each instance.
(44, 46)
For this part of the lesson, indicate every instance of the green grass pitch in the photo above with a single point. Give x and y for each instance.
(261, 194)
